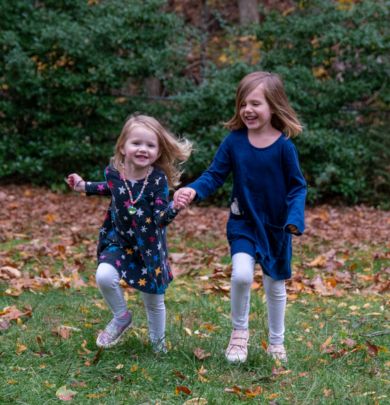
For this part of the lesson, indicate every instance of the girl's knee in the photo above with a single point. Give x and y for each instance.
(243, 267)
(242, 278)
(106, 276)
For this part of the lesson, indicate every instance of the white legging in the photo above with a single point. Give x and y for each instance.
(107, 279)
(242, 278)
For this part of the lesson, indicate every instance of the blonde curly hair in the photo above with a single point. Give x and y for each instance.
(173, 151)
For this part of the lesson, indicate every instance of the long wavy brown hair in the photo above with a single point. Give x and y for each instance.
(173, 152)
(284, 118)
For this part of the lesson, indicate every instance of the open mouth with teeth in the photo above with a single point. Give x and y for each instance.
(251, 118)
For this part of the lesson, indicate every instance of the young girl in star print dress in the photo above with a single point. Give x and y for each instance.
(132, 241)
(267, 203)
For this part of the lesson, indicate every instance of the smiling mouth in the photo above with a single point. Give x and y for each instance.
(250, 118)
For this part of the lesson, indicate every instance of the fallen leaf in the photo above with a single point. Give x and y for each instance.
(182, 388)
(201, 354)
(372, 349)
(319, 261)
(8, 272)
(96, 395)
(326, 343)
(179, 374)
(253, 392)
(20, 348)
(196, 401)
(64, 394)
(233, 390)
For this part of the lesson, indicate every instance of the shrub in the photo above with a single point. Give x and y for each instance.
(68, 74)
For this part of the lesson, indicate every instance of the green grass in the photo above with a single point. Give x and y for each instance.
(131, 373)
(337, 346)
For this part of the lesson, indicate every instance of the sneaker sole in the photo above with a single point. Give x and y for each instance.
(235, 360)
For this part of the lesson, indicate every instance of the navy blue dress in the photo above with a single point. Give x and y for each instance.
(269, 193)
(135, 244)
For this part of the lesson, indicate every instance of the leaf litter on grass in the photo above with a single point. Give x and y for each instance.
(57, 243)
(344, 250)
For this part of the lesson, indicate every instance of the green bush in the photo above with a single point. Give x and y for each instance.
(67, 72)
(335, 66)
(70, 73)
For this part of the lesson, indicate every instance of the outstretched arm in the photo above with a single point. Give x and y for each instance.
(215, 175)
(77, 183)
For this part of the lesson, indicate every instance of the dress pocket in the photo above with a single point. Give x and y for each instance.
(278, 240)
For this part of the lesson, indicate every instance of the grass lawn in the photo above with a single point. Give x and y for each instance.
(334, 355)
(337, 322)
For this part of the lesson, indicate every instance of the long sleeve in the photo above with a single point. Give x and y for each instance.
(296, 186)
(97, 188)
(163, 212)
(216, 174)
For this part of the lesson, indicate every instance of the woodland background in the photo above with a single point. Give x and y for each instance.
(71, 71)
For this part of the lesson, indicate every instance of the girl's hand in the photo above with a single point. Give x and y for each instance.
(183, 197)
(76, 182)
(292, 229)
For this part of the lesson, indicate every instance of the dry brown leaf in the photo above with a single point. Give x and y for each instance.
(182, 388)
(9, 272)
(201, 354)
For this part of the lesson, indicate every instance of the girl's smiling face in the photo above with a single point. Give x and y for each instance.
(141, 148)
(255, 111)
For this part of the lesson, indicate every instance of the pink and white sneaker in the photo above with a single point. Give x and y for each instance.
(237, 350)
(277, 352)
(112, 333)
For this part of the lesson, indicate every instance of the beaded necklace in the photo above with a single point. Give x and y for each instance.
(131, 208)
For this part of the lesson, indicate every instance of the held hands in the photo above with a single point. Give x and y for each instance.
(76, 182)
(183, 197)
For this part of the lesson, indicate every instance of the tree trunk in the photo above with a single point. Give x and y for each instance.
(152, 86)
(248, 11)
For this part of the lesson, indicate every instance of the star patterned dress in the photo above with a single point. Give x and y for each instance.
(135, 244)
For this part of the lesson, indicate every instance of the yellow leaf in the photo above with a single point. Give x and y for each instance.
(50, 218)
(20, 348)
(223, 58)
(326, 343)
(196, 401)
(252, 393)
(188, 331)
(97, 395)
(320, 72)
(134, 368)
(319, 261)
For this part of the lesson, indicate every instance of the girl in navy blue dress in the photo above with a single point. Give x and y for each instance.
(132, 240)
(267, 202)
